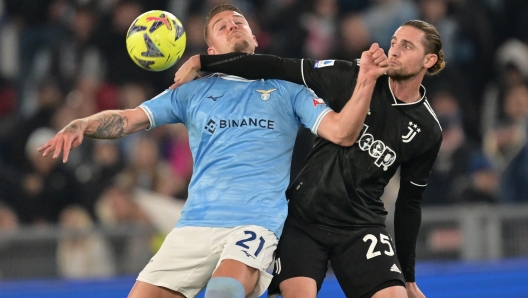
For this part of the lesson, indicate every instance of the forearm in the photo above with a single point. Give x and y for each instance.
(251, 66)
(111, 124)
(346, 125)
(407, 220)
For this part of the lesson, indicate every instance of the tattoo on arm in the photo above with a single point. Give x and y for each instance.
(110, 127)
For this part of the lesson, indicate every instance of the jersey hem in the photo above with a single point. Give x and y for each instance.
(276, 230)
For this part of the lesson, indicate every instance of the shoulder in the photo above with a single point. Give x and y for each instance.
(430, 117)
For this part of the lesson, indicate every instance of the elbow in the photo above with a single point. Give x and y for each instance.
(346, 139)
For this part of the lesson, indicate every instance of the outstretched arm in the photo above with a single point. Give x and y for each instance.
(332, 80)
(249, 66)
(111, 124)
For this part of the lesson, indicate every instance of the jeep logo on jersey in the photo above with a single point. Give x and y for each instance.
(212, 125)
(413, 130)
(265, 94)
(383, 154)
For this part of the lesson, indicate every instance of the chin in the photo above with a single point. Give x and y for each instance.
(398, 75)
(241, 46)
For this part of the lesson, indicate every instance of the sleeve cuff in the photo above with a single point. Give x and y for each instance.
(149, 115)
(315, 126)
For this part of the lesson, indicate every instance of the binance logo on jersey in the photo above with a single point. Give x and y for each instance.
(383, 154)
(212, 125)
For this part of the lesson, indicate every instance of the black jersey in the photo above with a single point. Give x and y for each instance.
(340, 187)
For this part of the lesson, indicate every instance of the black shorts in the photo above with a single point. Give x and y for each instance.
(364, 262)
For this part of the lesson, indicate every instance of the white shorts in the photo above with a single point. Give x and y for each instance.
(189, 256)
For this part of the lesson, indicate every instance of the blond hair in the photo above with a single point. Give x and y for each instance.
(216, 10)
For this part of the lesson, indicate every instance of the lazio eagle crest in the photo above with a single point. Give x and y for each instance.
(265, 94)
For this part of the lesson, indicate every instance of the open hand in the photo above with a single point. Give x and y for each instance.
(68, 138)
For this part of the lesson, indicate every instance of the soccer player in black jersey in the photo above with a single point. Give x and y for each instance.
(335, 211)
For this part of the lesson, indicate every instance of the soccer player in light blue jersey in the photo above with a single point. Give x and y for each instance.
(241, 135)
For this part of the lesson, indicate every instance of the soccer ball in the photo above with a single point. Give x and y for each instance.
(156, 40)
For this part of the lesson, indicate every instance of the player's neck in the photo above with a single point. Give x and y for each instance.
(407, 90)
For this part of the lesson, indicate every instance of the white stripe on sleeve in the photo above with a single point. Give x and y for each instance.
(149, 115)
(315, 126)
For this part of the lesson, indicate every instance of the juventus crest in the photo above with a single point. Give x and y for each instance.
(413, 131)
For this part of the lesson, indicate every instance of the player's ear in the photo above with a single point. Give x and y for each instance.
(211, 51)
(430, 60)
(255, 40)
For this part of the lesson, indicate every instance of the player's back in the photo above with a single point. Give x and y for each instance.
(241, 135)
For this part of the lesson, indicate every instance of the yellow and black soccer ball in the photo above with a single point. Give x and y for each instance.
(156, 40)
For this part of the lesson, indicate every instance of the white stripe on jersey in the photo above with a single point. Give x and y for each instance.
(426, 104)
(315, 127)
(149, 115)
(418, 184)
(302, 72)
(233, 78)
(406, 104)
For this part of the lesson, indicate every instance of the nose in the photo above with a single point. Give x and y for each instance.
(394, 51)
(233, 26)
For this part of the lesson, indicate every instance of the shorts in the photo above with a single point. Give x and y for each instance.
(364, 262)
(189, 256)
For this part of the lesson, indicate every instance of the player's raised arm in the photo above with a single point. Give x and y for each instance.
(249, 66)
(314, 74)
(344, 127)
(111, 124)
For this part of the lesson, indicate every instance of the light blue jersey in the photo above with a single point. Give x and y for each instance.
(241, 135)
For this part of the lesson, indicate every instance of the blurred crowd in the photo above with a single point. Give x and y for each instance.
(65, 59)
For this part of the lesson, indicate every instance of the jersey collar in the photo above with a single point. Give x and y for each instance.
(399, 103)
(231, 77)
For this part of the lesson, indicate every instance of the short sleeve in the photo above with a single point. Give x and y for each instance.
(309, 108)
(170, 106)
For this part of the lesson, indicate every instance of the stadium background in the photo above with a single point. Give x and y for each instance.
(87, 227)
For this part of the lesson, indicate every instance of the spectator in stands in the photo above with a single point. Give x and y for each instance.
(47, 186)
(514, 181)
(385, 16)
(321, 26)
(511, 69)
(504, 142)
(82, 252)
(450, 174)
(117, 208)
(354, 37)
(149, 170)
(8, 219)
(97, 173)
(483, 186)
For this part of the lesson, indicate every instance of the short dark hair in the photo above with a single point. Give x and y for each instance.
(216, 10)
(432, 43)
